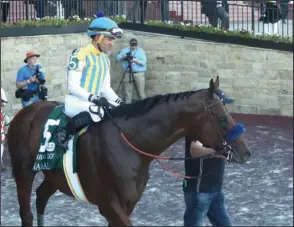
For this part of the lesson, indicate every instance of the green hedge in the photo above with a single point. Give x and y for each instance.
(197, 28)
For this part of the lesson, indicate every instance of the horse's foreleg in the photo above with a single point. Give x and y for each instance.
(115, 215)
(44, 192)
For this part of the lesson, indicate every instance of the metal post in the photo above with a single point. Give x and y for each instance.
(27, 10)
(252, 17)
(182, 10)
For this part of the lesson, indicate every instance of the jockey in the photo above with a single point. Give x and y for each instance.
(88, 79)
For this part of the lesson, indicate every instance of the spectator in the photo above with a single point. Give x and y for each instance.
(143, 7)
(4, 10)
(284, 4)
(272, 12)
(216, 9)
(164, 10)
(40, 8)
(28, 81)
(134, 12)
(77, 5)
(203, 196)
(262, 10)
(138, 64)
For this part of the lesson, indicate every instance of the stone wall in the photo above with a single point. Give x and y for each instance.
(260, 81)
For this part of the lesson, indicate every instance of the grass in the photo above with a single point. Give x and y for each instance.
(184, 27)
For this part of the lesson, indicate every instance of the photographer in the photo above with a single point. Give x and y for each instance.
(214, 10)
(30, 80)
(134, 56)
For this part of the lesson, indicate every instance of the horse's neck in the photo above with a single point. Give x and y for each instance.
(163, 128)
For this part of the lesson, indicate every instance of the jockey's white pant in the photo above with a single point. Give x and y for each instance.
(74, 106)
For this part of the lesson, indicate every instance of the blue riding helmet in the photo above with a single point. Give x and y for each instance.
(104, 26)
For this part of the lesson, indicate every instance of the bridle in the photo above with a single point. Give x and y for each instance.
(226, 149)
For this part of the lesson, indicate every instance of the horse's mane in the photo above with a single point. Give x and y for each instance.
(141, 107)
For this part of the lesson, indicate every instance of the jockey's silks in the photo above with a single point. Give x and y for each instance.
(96, 66)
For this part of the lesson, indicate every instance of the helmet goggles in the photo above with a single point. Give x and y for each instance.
(114, 32)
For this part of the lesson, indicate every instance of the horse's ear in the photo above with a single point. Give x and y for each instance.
(216, 83)
(211, 88)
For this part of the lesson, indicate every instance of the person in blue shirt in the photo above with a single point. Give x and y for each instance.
(27, 79)
(139, 67)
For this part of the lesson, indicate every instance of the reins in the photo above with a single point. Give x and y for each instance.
(225, 151)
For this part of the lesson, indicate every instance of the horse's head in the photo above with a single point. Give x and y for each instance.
(218, 127)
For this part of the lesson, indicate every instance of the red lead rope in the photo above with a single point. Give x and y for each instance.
(142, 152)
(156, 157)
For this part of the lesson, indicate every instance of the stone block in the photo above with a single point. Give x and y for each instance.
(285, 75)
(173, 76)
(246, 109)
(213, 48)
(188, 47)
(246, 57)
(157, 89)
(189, 77)
(175, 87)
(241, 83)
(229, 65)
(287, 112)
(204, 73)
(270, 111)
(286, 100)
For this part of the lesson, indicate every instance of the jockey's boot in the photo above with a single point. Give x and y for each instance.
(74, 124)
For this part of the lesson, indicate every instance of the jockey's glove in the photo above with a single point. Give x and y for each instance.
(99, 101)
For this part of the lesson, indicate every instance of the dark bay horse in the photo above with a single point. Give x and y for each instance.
(112, 174)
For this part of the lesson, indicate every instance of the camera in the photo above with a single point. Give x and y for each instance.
(129, 57)
(37, 74)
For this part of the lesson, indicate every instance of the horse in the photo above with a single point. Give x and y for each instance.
(112, 173)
